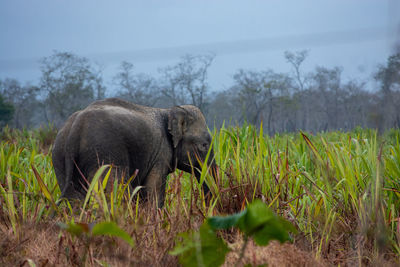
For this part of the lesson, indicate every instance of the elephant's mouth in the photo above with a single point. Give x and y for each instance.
(193, 165)
(214, 172)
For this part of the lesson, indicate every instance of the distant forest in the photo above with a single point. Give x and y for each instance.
(282, 102)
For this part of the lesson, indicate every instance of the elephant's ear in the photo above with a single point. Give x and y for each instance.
(177, 124)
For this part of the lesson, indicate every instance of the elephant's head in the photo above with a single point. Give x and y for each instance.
(190, 138)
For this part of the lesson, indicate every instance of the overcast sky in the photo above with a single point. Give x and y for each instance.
(356, 35)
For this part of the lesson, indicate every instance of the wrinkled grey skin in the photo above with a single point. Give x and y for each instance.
(131, 137)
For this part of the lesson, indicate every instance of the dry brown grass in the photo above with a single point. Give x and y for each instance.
(154, 234)
(275, 254)
(46, 244)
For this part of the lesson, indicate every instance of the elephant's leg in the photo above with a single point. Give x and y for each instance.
(155, 186)
(117, 173)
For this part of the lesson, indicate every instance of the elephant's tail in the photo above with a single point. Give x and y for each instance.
(72, 146)
(69, 172)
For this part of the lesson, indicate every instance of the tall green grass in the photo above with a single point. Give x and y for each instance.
(335, 186)
(21, 191)
(330, 184)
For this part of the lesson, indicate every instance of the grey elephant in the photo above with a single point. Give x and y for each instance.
(150, 142)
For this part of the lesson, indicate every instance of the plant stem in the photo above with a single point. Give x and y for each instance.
(241, 255)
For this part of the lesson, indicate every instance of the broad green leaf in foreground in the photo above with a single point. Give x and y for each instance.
(112, 229)
(75, 229)
(263, 225)
(256, 221)
(225, 222)
(202, 248)
(102, 228)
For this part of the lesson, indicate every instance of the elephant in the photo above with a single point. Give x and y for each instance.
(136, 140)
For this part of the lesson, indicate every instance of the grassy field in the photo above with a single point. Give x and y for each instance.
(340, 190)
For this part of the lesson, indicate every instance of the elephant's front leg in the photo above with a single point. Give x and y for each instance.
(155, 186)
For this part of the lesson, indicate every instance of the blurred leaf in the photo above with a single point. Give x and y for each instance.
(30, 262)
(202, 248)
(184, 245)
(92, 229)
(263, 225)
(226, 222)
(75, 229)
(112, 229)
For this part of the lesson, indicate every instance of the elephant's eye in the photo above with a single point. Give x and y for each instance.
(204, 146)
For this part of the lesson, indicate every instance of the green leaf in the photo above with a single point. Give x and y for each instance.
(92, 185)
(272, 230)
(102, 228)
(112, 229)
(185, 244)
(258, 222)
(257, 215)
(226, 222)
(75, 229)
(202, 248)
(31, 263)
(43, 188)
(263, 225)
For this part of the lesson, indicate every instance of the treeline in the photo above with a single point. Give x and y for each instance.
(282, 102)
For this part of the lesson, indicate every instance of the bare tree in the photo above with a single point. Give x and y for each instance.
(253, 94)
(224, 109)
(137, 88)
(326, 85)
(68, 83)
(296, 59)
(389, 78)
(24, 100)
(186, 82)
(259, 94)
(300, 86)
(357, 105)
(6, 112)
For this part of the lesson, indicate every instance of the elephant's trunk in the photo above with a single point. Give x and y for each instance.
(214, 172)
(206, 190)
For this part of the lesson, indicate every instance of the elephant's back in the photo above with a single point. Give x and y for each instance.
(107, 126)
(120, 103)
(119, 118)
